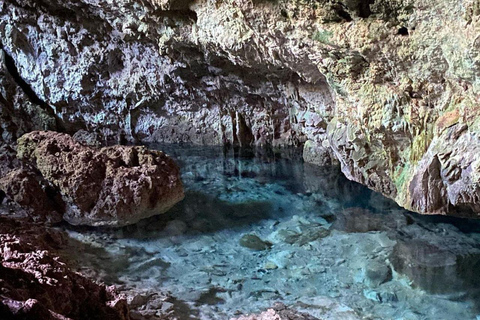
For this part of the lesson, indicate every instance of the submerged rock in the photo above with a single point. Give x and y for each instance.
(362, 220)
(306, 235)
(375, 273)
(253, 242)
(113, 186)
(324, 309)
(424, 264)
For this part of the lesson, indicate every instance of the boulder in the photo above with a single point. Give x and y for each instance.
(27, 188)
(112, 186)
(425, 263)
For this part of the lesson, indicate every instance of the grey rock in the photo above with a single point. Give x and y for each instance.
(376, 273)
(404, 123)
(253, 242)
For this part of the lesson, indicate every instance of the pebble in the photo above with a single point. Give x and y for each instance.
(253, 242)
(270, 266)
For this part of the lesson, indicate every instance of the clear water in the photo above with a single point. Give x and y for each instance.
(329, 247)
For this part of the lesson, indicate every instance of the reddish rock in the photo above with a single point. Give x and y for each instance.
(113, 186)
(36, 284)
(29, 191)
(27, 188)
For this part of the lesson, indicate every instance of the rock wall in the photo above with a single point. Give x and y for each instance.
(390, 88)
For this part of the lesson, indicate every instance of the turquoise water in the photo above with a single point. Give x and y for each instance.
(258, 226)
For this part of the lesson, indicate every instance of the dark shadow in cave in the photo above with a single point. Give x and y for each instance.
(12, 69)
(363, 9)
(201, 213)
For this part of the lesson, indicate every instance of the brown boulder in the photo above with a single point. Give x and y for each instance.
(112, 186)
(30, 191)
(27, 188)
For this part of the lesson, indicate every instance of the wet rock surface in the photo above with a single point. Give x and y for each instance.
(36, 284)
(280, 312)
(253, 242)
(112, 186)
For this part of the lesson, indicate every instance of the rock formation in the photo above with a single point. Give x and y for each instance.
(279, 311)
(389, 88)
(36, 284)
(112, 186)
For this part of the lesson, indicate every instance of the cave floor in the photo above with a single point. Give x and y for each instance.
(257, 227)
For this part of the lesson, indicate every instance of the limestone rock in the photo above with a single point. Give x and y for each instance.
(363, 220)
(20, 110)
(375, 273)
(113, 186)
(24, 186)
(327, 309)
(318, 154)
(278, 312)
(29, 191)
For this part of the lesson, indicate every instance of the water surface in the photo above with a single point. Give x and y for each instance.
(259, 226)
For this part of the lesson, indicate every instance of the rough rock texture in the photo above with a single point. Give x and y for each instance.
(27, 188)
(329, 310)
(20, 110)
(389, 87)
(112, 186)
(36, 284)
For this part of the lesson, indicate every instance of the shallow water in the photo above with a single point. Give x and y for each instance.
(258, 227)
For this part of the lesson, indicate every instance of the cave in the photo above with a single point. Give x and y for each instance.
(242, 160)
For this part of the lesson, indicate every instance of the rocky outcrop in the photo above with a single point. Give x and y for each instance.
(112, 186)
(36, 284)
(389, 88)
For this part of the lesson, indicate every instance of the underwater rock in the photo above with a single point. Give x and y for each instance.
(307, 234)
(375, 273)
(36, 284)
(113, 186)
(380, 296)
(270, 266)
(424, 263)
(363, 220)
(326, 309)
(253, 242)
(277, 312)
